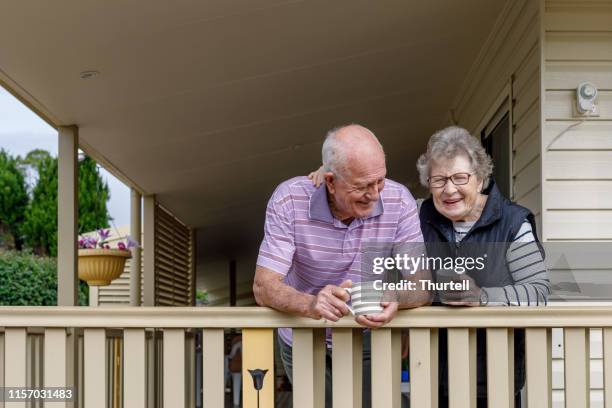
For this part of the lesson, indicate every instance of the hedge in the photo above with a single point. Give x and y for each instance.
(29, 280)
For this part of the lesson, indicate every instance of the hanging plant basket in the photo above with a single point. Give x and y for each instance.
(98, 267)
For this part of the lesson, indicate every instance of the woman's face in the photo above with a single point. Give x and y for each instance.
(456, 203)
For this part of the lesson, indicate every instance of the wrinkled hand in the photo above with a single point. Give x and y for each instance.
(374, 321)
(469, 297)
(330, 302)
(317, 176)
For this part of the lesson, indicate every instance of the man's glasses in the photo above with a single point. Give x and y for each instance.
(458, 179)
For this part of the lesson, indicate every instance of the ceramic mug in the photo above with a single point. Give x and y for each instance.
(365, 299)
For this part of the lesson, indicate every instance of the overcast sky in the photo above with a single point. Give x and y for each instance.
(21, 130)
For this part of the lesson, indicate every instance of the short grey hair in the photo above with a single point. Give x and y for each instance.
(449, 143)
(334, 152)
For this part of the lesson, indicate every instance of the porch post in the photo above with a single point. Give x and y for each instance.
(148, 245)
(67, 216)
(136, 233)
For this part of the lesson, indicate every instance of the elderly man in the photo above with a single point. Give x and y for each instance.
(312, 238)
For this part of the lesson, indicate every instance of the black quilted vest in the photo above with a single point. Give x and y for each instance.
(499, 222)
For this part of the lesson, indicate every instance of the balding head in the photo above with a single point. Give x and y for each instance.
(354, 162)
(346, 145)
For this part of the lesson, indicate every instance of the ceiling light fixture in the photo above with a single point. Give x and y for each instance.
(89, 74)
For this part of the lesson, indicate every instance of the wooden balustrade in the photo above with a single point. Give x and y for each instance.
(133, 326)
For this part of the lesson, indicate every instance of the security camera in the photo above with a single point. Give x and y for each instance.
(586, 96)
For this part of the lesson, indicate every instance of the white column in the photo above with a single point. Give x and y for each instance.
(136, 233)
(67, 216)
(67, 234)
(148, 247)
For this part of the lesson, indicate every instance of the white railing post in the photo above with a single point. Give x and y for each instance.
(500, 373)
(15, 361)
(386, 369)
(538, 361)
(55, 364)
(577, 372)
(94, 368)
(174, 368)
(347, 370)
(309, 351)
(134, 389)
(213, 377)
(462, 368)
(423, 368)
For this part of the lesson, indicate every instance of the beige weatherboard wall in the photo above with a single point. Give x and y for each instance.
(534, 59)
(578, 164)
(506, 75)
(577, 151)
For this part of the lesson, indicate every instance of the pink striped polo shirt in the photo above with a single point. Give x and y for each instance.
(312, 249)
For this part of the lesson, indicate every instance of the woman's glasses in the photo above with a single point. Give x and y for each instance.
(458, 179)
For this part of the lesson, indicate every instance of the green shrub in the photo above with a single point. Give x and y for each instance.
(13, 201)
(28, 280)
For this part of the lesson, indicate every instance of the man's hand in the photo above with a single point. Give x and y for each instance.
(374, 321)
(330, 302)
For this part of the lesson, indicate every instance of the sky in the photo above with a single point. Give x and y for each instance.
(21, 130)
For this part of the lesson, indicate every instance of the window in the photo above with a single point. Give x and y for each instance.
(495, 138)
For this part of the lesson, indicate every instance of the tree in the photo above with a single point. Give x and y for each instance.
(40, 227)
(13, 201)
(93, 196)
(31, 163)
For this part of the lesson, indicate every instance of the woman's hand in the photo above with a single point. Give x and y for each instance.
(317, 176)
(469, 297)
(374, 321)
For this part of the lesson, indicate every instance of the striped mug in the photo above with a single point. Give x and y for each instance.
(365, 299)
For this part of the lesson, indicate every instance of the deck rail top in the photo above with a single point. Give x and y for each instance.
(262, 317)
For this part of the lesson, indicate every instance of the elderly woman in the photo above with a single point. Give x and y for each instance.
(467, 210)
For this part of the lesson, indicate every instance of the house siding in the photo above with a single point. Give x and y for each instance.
(578, 47)
(511, 55)
(544, 49)
(577, 176)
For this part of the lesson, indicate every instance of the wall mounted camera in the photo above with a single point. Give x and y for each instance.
(586, 99)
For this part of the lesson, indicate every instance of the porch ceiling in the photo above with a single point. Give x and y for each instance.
(209, 104)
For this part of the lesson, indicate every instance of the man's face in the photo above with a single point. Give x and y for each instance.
(356, 192)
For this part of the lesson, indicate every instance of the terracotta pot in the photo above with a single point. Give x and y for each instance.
(98, 267)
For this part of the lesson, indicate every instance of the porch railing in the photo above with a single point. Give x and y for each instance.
(55, 331)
